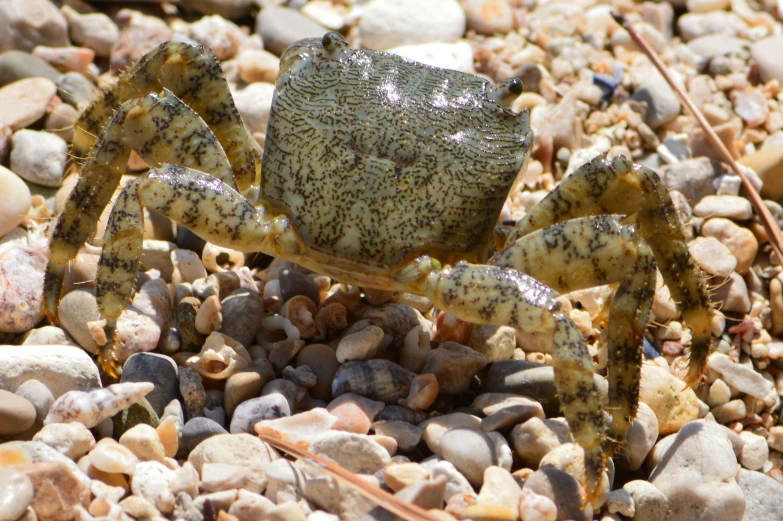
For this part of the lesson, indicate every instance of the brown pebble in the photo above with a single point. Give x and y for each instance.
(322, 361)
(17, 414)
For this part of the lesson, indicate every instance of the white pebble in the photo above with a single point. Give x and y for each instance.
(39, 157)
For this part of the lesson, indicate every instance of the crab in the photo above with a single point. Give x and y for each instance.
(385, 173)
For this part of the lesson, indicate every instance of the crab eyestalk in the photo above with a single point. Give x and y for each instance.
(505, 92)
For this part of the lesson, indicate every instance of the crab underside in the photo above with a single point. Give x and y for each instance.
(389, 174)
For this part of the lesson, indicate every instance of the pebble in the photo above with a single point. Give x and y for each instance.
(663, 105)
(72, 440)
(18, 65)
(302, 427)
(457, 56)
(137, 332)
(76, 89)
(729, 206)
(699, 468)
(755, 451)
(488, 16)
(354, 413)
(279, 27)
(470, 450)
(254, 103)
(27, 23)
(246, 384)
(157, 369)
(21, 298)
(494, 342)
(665, 394)
(692, 177)
(322, 361)
(386, 24)
(361, 345)
(454, 366)
(768, 165)
(505, 410)
(152, 481)
(456, 483)
(95, 405)
(258, 65)
(649, 502)
(405, 434)
(236, 449)
(59, 493)
(187, 266)
(16, 494)
(25, 101)
(640, 439)
(250, 412)
(92, 30)
(356, 453)
(143, 441)
(764, 53)
(535, 438)
(763, 495)
(39, 157)
(561, 488)
(76, 310)
(191, 386)
(219, 35)
(729, 412)
(400, 475)
(139, 34)
(222, 476)
(242, 311)
(59, 368)
(733, 295)
(535, 507)
(39, 395)
(199, 429)
(712, 256)
(739, 376)
(231, 9)
(15, 200)
(435, 428)
(740, 241)
(500, 488)
(67, 59)
(17, 414)
(60, 121)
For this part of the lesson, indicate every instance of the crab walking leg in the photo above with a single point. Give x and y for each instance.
(494, 295)
(193, 199)
(588, 252)
(100, 176)
(195, 77)
(161, 129)
(616, 186)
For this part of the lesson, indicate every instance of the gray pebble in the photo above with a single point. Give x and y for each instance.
(18, 65)
(250, 412)
(294, 283)
(39, 395)
(242, 313)
(191, 385)
(470, 451)
(763, 496)
(39, 157)
(197, 430)
(692, 177)
(75, 88)
(157, 369)
(563, 490)
(76, 309)
(279, 27)
(27, 23)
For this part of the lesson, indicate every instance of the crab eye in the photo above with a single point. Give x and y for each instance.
(504, 92)
(335, 45)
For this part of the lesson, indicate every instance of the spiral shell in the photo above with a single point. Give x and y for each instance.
(95, 405)
(220, 357)
(377, 379)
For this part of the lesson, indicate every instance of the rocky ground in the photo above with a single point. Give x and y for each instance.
(217, 341)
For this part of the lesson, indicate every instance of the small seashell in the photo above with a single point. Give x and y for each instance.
(93, 406)
(209, 316)
(424, 390)
(449, 328)
(112, 458)
(361, 345)
(415, 349)
(300, 310)
(217, 258)
(377, 379)
(278, 323)
(220, 357)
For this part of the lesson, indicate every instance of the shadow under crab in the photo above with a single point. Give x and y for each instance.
(385, 173)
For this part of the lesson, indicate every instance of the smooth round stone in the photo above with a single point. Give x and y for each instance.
(27, 23)
(236, 449)
(199, 429)
(356, 453)
(242, 313)
(256, 65)
(699, 468)
(740, 241)
(254, 103)
(39, 395)
(75, 310)
(712, 256)
(535, 438)
(246, 384)
(47, 336)
(755, 451)
(294, 283)
(157, 369)
(489, 16)
(661, 100)
(470, 450)
(21, 298)
(15, 199)
(766, 53)
(763, 495)
(388, 23)
(95, 31)
(16, 414)
(500, 488)
(143, 441)
(640, 439)
(252, 411)
(73, 440)
(732, 295)
(16, 493)
(729, 206)
(322, 361)
(563, 490)
(435, 428)
(649, 502)
(672, 404)
(407, 435)
(39, 157)
(280, 27)
(60, 368)
(399, 475)
(19, 65)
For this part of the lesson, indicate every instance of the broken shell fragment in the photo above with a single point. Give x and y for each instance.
(415, 349)
(220, 357)
(377, 379)
(95, 405)
(424, 390)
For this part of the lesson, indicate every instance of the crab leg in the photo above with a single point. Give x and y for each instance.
(593, 251)
(160, 129)
(193, 199)
(195, 77)
(616, 186)
(495, 295)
